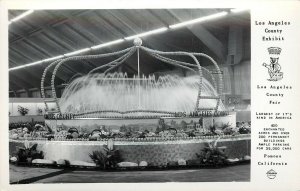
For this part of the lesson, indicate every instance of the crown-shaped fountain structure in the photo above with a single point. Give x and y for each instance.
(215, 77)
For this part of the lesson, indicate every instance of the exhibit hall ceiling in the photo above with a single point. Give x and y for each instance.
(46, 34)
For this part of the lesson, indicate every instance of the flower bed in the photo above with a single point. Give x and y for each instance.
(42, 132)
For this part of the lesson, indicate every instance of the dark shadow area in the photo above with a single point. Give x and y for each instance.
(37, 178)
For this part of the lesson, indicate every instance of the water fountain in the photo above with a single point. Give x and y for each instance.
(114, 95)
(116, 92)
(113, 103)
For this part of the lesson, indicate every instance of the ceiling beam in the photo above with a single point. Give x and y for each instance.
(38, 48)
(41, 28)
(114, 32)
(73, 24)
(13, 50)
(62, 41)
(29, 52)
(60, 75)
(125, 21)
(13, 61)
(118, 32)
(157, 17)
(213, 43)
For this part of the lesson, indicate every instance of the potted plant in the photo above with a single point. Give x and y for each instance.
(106, 159)
(23, 110)
(213, 155)
(26, 154)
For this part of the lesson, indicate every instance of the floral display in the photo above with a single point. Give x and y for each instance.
(39, 130)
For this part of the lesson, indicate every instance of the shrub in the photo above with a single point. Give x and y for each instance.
(212, 155)
(108, 158)
(27, 154)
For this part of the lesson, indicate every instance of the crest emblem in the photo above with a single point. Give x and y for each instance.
(274, 67)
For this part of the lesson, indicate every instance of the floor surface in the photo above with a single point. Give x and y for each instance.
(26, 175)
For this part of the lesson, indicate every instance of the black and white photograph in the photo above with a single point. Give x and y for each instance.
(129, 95)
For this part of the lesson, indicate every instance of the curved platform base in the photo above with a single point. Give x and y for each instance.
(156, 153)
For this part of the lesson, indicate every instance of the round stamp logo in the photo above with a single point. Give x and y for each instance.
(271, 174)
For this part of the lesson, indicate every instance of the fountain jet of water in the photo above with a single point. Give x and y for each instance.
(115, 91)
